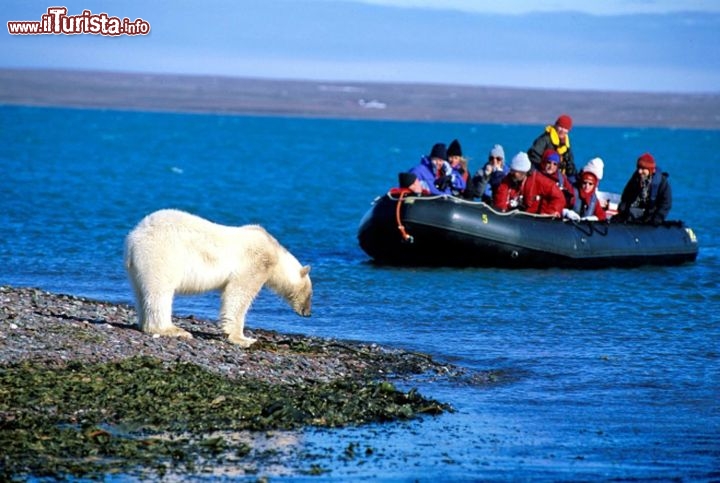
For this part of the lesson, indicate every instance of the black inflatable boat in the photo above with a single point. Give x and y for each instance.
(448, 231)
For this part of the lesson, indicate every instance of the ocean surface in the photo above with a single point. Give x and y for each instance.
(603, 374)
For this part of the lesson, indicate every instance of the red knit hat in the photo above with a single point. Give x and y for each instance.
(564, 122)
(646, 161)
(590, 176)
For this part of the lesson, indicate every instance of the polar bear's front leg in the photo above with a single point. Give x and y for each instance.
(236, 300)
(241, 340)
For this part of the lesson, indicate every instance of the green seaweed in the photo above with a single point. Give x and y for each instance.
(143, 415)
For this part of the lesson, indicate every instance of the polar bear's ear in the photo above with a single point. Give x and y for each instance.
(304, 270)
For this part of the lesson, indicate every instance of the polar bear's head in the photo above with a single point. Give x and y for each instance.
(301, 298)
(291, 280)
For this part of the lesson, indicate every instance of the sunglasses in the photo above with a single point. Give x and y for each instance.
(495, 158)
(588, 183)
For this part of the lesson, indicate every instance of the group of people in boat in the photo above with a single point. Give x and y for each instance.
(544, 180)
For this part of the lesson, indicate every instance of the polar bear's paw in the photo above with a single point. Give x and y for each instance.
(241, 340)
(174, 331)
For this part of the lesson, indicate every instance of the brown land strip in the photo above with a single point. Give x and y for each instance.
(354, 100)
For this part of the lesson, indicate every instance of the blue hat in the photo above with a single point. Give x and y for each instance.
(551, 155)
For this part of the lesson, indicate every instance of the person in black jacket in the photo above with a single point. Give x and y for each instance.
(489, 177)
(647, 197)
(557, 138)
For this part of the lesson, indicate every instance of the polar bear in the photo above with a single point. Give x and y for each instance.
(171, 252)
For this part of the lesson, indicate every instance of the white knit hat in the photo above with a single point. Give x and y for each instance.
(497, 151)
(520, 162)
(595, 166)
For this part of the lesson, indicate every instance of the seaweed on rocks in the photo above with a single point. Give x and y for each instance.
(83, 393)
(95, 418)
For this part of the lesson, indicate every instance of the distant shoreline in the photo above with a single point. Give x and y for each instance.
(353, 100)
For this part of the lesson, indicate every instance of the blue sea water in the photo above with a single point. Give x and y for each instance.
(605, 374)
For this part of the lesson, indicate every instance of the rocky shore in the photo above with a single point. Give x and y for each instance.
(84, 393)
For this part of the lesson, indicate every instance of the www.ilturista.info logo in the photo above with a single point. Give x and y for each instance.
(57, 21)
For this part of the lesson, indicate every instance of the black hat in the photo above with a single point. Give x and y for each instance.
(454, 149)
(439, 151)
(406, 179)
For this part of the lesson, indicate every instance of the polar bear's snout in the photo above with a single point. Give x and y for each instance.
(305, 310)
(302, 299)
(302, 306)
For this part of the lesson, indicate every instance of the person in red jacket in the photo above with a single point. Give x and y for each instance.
(587, 204)
(528, 191)
(549, 166)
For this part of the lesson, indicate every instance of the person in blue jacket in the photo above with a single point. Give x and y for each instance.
(647, 197)
(436, 175)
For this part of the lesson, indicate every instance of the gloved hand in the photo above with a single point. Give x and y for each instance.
(446, 168)
(443, 182)
(570, 215)
(487, 170)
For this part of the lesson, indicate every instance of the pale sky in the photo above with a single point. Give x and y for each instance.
(595, 7)
(628, 45)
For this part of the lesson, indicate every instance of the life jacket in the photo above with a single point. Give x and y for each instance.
(555, 139)
(655, 185)
(590, 210)
(561, 181)
(655, 180)
(561, 149)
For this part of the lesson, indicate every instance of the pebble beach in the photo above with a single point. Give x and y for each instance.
(57, 339)
(53, 329)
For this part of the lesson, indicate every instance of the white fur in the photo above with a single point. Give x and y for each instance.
(171, 252)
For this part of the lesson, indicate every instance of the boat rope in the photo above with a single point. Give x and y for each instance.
(585, 227)
(601, 227)
(588, 227)
(403, 233)
(399, 192)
